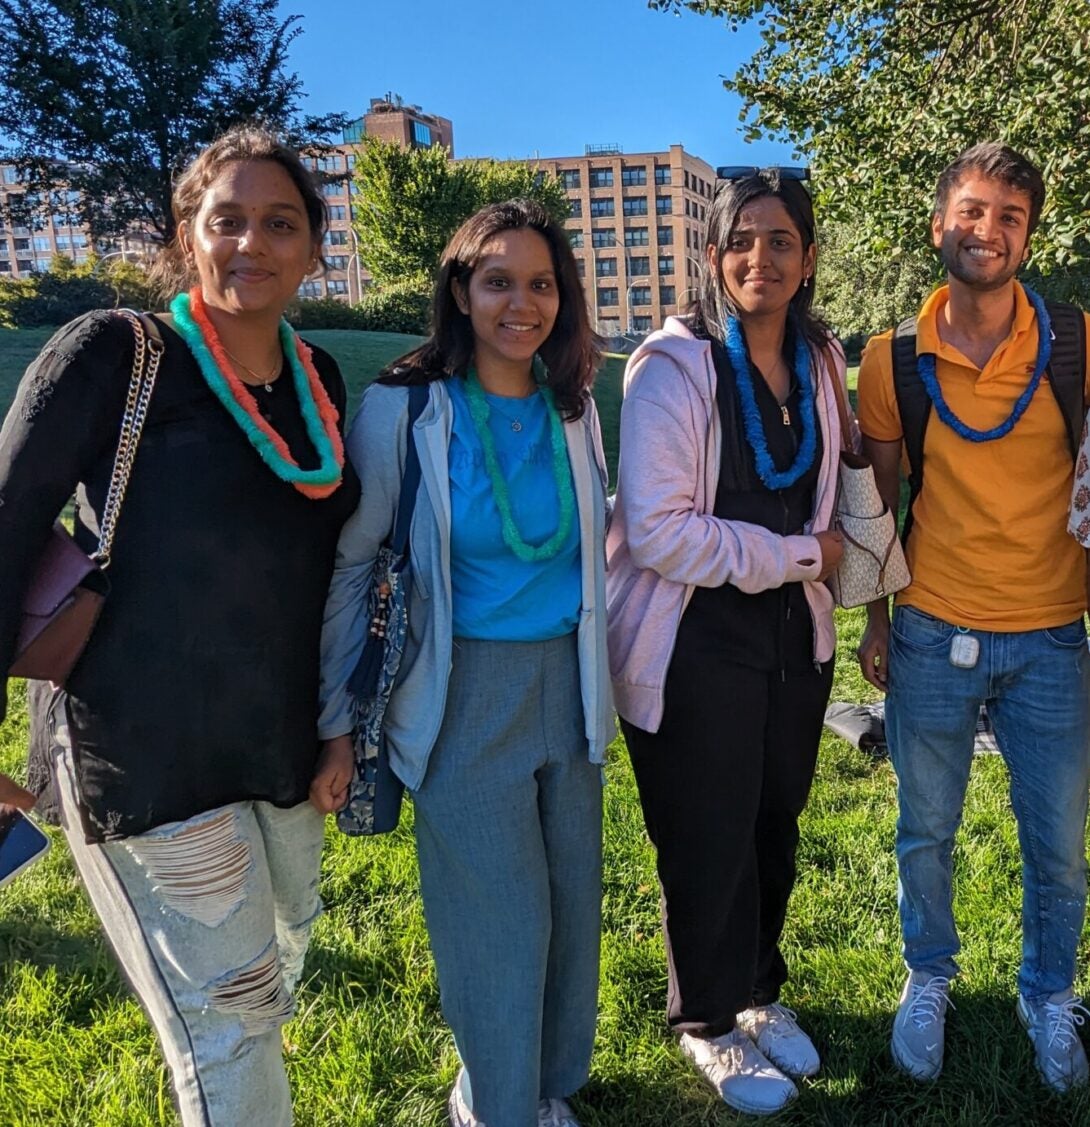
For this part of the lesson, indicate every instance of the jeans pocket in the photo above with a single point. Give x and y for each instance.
(920, 631)
(1070, 636)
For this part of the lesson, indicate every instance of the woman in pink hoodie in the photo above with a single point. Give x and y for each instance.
(720, 626)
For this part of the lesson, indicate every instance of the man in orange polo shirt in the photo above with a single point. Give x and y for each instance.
(994, 613)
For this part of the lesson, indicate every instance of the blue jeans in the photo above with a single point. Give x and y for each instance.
(1036, 685)
(210, 920)
(509, 837)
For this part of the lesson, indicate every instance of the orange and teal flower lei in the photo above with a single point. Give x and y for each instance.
(319, 415)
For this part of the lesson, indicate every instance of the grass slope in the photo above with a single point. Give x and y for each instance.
(368, 1047)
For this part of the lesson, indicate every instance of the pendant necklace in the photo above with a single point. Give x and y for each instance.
(265, 381)
(751, 416)
(319, 415)
(925, 365)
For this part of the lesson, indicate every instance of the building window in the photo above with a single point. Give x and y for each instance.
(641, 295)
(22, 244)
(701, 213)
(633, 177)
(338, 262)
(338, 212)
(666, 263)
(662, 174)
(576, 238)
(42, 264)
(330, 163)
(639, 267)
(310, 289)
(41, 242)
(421, 135)
(635, 205)
(350, 161)
(337, 286)
(581, 267)
(701, 181)
(569, 177)
(333, 188)
(687, 210)
(24, 265)
(603, 209)
(667, 295)
(605, 238)
(686, 178)
(5, 266)
(601, 177)
(641, 324)
(635, 237)
(11, 176)
(336, 238)
(576, 209)
(666, 236)
(605, 267)
(608, 296)
(664, 205)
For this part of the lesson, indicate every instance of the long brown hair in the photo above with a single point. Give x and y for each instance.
(171, 273)
(572, 351)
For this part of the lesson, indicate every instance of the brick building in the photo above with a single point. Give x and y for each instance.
(636, 227)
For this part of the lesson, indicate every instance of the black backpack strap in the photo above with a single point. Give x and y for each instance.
(1067, 368)
(914, 407)
(410, 480)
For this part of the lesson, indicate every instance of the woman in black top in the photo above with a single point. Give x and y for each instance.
(722, 640)
(185, 742)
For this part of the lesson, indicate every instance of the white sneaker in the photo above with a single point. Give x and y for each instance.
(774, 1030)
(556, 1113)
(1052, 1027)
(460, 1115)
(744, 1078)
(919, 1029)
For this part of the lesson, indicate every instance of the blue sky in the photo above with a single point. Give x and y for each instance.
(520, 79)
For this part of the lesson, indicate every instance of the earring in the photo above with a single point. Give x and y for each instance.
(806, 281)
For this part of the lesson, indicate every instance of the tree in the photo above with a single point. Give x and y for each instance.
(103, 101)
(410, 201)
(881, 94)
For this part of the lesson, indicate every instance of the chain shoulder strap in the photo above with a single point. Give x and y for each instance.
(147, 354)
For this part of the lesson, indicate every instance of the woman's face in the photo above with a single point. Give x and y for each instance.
(512, 298)
(250, 241)
(763, 263)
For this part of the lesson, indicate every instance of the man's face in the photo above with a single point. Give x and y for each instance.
(984, 234)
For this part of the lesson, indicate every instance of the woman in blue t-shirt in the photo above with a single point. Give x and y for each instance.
(501, 713)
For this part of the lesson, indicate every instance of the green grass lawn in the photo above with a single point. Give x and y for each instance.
(369, 1048)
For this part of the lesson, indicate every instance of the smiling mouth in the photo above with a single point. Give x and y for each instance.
(518, 327)
(982, 253)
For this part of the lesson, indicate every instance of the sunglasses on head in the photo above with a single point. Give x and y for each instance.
(742, 171)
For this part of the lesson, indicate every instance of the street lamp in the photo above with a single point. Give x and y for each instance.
(357, 262)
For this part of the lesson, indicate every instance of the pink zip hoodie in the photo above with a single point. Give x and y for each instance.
(663, 541)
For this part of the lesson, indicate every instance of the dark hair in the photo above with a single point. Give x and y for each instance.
(713, 304)
(244, 143)
(998, 162)
(572, 351)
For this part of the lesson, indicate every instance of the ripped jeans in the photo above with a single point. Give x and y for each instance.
(210, 920)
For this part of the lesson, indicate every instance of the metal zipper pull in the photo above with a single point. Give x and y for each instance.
(786, 416)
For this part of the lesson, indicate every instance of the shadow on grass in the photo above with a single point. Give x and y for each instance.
(989, 1079)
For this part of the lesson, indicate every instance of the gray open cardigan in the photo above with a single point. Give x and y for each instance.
(376, 446)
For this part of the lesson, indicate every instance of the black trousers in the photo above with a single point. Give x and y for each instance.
(722, 785)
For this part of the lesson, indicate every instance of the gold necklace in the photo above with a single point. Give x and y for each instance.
(266, 380)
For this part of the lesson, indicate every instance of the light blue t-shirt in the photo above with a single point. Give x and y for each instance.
(495, 594)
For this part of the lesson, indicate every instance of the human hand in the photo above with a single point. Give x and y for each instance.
(329, 788)
(11, 794)
(873, 652)
(831, 543)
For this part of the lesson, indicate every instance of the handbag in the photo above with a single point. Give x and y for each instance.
(375, 792)
(873, 565)
(65, 595)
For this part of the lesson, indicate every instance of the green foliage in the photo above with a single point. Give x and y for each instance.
(410, 202)
(67, 290)
(324, 313)
(861, 292)
(399, 307)
(110, 98)
(882, 94)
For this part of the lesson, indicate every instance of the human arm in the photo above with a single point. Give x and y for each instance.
(376, 446)
(66, 415)
(661, 466)
(873, 650)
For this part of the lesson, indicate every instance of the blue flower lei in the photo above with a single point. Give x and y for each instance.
(735, 345)
(925, 365)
